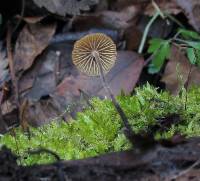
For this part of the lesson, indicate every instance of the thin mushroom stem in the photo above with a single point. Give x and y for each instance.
(124, 119)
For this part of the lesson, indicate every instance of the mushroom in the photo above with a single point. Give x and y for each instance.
(95, 54)
(93, 49)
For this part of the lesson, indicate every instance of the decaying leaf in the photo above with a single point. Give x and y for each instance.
(108, 19)
(168, 6)
(62, 7)
(33, 39)
(120, 20)
(41, 81)
(177, 72)
(192, 10)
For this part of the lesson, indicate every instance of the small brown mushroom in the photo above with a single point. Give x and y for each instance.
(95, 54)
(93, 48)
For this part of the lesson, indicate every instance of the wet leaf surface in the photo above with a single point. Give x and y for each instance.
(33, 39)
(119, 20)
(62, 7)
(168, 6)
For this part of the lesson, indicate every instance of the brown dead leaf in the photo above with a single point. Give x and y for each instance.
(168, 6)
(177, 67)
(192, 11)
(121, 4)
(42, 112)
(62, 7)
(123, 76)
(33, 39)
(119, 20)
(107, 19)
(40, 81)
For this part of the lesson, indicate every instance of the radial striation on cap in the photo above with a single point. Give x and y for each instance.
(83, 56)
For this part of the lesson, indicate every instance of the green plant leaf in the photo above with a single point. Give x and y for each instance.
(187, 34)
(159, 57)
(194, 44)
(155, 44)
(191, 55)
(197, 54)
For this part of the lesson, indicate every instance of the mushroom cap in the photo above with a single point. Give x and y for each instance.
(83, 53)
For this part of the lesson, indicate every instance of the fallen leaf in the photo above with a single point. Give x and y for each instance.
(123, 76)
(168, 6)
(192, 10)
(108, 19)
(121, 4)
(33, 39)
(62, 7)
(119, 20)
(178, 68)
(42, 80)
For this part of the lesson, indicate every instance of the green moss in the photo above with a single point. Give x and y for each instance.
(99, 131)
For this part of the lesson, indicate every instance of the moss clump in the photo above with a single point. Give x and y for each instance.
(99, 131)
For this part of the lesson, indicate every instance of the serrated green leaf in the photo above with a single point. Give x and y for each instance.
(189, 34)
(191, 55)
(159, 57)
(197, 54)
(194, 44)
(154, 45)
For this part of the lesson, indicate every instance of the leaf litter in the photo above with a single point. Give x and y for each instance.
(50, 87)
(48, 81)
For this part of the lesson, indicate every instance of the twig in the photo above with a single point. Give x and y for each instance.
(44, 150)
(158, 9)
(147, 28)
(174, 19)
(180, 40)
(11, 65)
(61, 175)
(146, 31)
(148, 60)
(21, 14)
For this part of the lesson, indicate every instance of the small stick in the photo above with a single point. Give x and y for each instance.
(11, 65)
(61, 175)
(21, 15)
